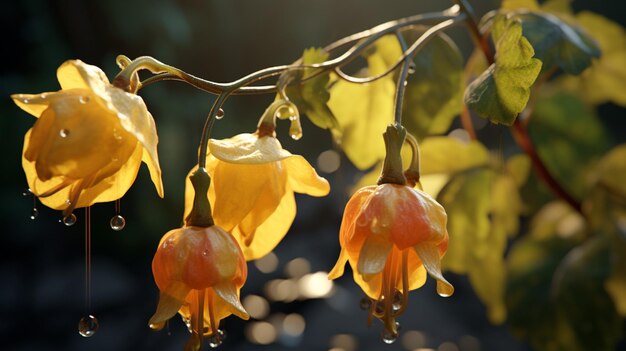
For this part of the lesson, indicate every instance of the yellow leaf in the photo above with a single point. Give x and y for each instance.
(449, 155)
(364, 110)
(519, 4)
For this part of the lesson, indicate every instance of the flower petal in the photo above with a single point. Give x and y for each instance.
(228, 292)
(74, 74)
(338, 269)
(33, 104)
(248, 149)
(170, 302)
(303, 178)
(237, 188)
(429, 254)
(373, 255)
(272, 231)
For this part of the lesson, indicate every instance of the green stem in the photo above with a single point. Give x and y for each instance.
(401, 84)
(392, 172)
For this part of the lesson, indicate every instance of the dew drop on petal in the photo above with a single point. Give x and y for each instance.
(83, 99)
(87, 326)
(34, 213)
(118, 222)
(388, 337)
(64, 133)
(69, 220)
(219, 114)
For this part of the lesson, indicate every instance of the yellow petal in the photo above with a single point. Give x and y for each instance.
(248, 149)
(75, 74)
(228, 292)
(272, 231)
(169, 303)
(303, 178)
(237, 188)
(155, 171)
(429, 254)
(370, 287)
(373, 255)
(338, 269)
(33, 104)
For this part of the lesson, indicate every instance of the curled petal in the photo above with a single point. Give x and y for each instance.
(34, 104)
(248, 149)
(228, 292)
(75, 74)
(373, 255)
(303, 178)
(169, 303)
(429, 254)
(338, 269)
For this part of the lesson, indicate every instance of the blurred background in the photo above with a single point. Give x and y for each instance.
(293, 305)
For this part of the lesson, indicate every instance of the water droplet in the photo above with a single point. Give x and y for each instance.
(216, 340)
(205, 253)
(27, 192)
(34, 213)
(219, 114)
(397, 301)
(187, 322)
(26, 101)
(64, 133)
(43, 96)
(157, 326)
(116, 134)
(69, 220)
(83, 99)
(87, 326)
(117, 223)
(68, 202)
(411, 67)
(365, 303)
(296, 135)
(379, 310)
(388, 337)
(293, 117)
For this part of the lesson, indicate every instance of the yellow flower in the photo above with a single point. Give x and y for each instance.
(252, 189)
(199, 271)
(392, 235)
(89, 140)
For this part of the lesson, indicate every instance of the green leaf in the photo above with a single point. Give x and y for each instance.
(569, 138)
(611, 171)
(449, 155)
(311, 96)
(604, 80)
(557, 43)
(434, 93)
(555, 296)
(503, 90)
(364, 110)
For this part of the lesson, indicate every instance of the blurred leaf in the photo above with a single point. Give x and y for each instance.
(611, 171)
(434, 94)
(518, 166)
(449, 155)
(557, 219)
(311, 96)
(605, 80)
(557, 43)
(569, 139)
(519, 4)
(483, 209)
(502, 91)
(364, 110)
(557, 6)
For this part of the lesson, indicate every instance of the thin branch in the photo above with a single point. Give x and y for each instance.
(466, 122)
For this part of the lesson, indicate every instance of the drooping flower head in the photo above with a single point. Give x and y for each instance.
(89, 140)
(392, 235)
(199, 271)
(252, 192)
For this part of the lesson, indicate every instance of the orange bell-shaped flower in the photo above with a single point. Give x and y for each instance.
(392, 235)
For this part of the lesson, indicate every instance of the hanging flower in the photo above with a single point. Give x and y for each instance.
(252, 189)
(89, 140)
(392, 235)
(199, 272)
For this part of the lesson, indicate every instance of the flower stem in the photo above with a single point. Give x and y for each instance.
(392, 172)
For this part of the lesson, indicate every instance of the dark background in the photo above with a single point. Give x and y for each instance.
(42, 267)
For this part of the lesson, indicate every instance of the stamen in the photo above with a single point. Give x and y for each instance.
(200, 321)
(404, 300)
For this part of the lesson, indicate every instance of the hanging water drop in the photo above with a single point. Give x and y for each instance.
(118, 222)
(365, 303)
(219, 114)
(34, 213)
(296, 135)
(83, 99)
(412, 67)
(397, 301)
(216, 339)
(64, 133)
(379, 309)
(69, 220)
(388, 337)
(87, 326)
(26, 192)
